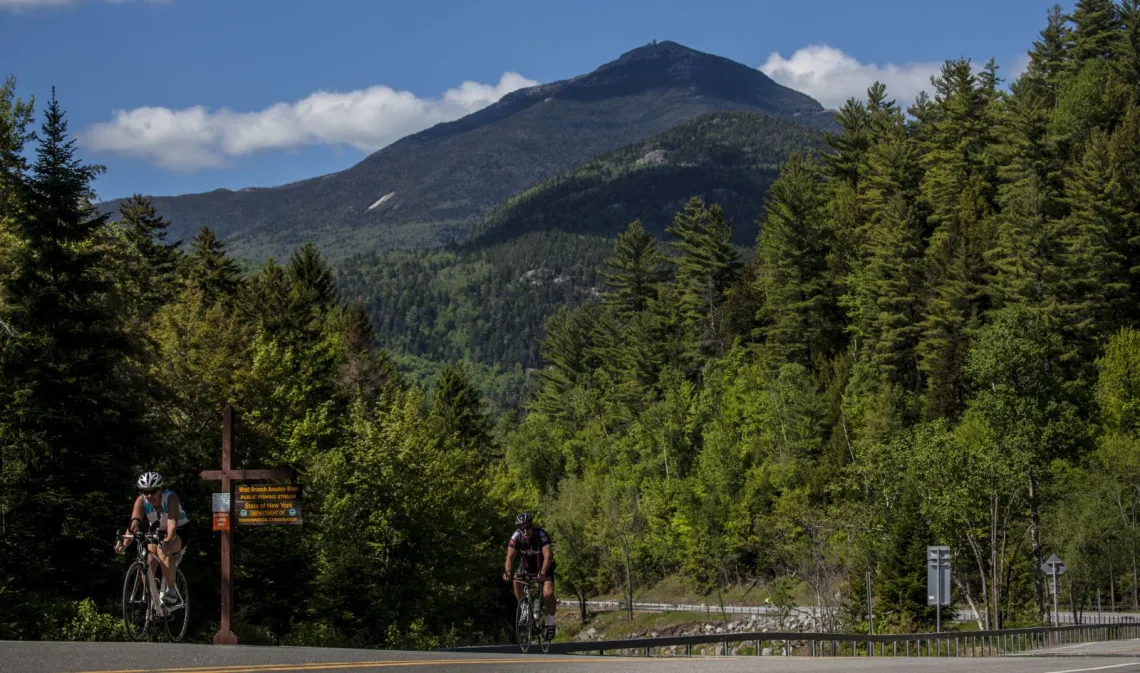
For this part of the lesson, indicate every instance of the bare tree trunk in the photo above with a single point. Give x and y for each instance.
(965, 589)
(981, 574)
(1038, 561)
(1135, 581)
(995, 587)
(1112, 586)
(628, 582)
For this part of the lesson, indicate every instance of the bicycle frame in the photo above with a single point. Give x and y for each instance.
(143, 555)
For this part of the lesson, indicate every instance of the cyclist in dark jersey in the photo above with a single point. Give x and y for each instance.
(534, 546)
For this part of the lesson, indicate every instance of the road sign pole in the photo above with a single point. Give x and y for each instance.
(938, 603)
(225, 636)
(1056, 615)
(870, 610)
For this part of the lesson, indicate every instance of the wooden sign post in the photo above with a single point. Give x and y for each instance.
(225, 636)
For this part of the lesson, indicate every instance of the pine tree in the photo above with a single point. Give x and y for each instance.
(798, 316)
(209, 269)
(706, 266)
(849, 146)
(152, 263)
(312, 276)
(1047, 58)
(1096, 33)
(884, 296)
(1096, 283)
(1126, 168)
(459, 408)
(567, 353)
(638, 266)
(959, 188)
(1129, 61)
(66, 412)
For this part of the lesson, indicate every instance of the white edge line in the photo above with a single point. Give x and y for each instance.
(1098, 668)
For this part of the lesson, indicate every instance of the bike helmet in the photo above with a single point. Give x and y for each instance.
(523, 519)
(149, 480)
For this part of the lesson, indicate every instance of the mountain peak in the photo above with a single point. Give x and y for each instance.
(667, 65)
(658, 49)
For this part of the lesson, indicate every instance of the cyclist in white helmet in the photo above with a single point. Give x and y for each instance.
(163, 509)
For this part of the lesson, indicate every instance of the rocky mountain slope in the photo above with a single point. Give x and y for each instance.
(432, 187)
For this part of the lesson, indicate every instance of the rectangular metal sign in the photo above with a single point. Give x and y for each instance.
(267, 504)
(937, 563)
(220, 502)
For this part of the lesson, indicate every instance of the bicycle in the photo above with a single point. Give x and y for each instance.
(530, 618)
(141, 588)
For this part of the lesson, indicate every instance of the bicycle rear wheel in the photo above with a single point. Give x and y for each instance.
(179, 617)
(523, 625)
(543, 641)
(136, 602)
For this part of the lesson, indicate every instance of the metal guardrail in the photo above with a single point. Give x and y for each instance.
(1087, 617)
(950, 644)
(675, 607)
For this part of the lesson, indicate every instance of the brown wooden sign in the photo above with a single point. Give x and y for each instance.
(267, 504)
(226, 475)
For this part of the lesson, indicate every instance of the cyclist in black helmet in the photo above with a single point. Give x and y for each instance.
(533, 544)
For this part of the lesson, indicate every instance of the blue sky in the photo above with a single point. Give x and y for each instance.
(178, 96)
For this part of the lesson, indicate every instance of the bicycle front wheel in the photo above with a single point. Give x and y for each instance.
(136, 602)
(179, 617)
(523, 625)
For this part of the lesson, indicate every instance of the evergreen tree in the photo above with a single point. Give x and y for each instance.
(66, 414)
(638, 266)
(1096, 282)
(312, 276)
(706, 266)
(209, 269)
(1096, 32)
(151, 263)
(1130, 47)
(884, 297)
(459, 407)
(1126, 169)
(798, 312)
(959, 187)
(1047, 59)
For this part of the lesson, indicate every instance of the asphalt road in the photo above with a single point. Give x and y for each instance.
(51, 657)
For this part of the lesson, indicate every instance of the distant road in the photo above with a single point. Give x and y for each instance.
(52, 657)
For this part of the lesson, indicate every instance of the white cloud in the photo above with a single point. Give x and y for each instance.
(19, 6)
(367, 119)
(831, 76)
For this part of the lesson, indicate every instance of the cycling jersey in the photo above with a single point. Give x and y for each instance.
(161, 518)
(530, 548)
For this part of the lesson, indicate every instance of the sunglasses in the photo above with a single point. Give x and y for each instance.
(150, 491)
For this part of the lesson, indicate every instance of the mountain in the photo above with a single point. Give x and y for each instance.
(729, 158)
(485, 301)
(430, 188)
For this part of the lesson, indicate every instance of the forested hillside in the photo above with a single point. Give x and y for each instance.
(936, 340)
(486, 301)
(728, 158)
(936, 343)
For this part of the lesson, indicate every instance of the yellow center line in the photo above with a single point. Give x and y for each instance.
(317, 666)
(324, 666)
